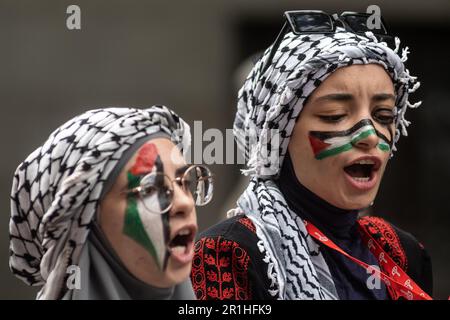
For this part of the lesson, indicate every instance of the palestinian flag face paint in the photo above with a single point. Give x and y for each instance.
(330, 143)
(148, 229)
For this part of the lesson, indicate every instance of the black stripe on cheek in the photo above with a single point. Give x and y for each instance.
(323, 135)
(159, 165)
(161, 179)
(164, 217)
(382, 136)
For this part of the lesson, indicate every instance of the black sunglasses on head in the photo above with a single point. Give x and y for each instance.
(316, 21)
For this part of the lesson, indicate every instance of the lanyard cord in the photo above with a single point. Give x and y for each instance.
(397, 281)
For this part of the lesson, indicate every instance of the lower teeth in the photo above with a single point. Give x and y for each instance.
(178, 249)
(365, 179)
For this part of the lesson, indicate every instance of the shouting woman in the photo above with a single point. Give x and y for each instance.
(318, 119)
(105, 208)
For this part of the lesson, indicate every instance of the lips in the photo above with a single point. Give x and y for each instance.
(181, 245)
(362, 172)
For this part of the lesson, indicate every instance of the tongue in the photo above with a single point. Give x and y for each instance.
(358, 170)
(179, 249)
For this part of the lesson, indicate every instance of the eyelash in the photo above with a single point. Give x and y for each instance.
(385, 119)
(333, 118)
(382, 119)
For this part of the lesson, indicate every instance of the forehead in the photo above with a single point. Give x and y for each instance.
(365, 77)
(156, 150)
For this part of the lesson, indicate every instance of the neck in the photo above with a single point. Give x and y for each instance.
(329, 219)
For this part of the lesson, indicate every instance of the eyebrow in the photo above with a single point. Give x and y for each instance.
(179, 171)
(344, 97)
(336, 97)
(383, 97)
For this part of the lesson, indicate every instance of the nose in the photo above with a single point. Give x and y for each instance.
(366, 140)
(182, 203)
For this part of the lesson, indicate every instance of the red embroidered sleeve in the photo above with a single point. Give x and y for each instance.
(220, 270)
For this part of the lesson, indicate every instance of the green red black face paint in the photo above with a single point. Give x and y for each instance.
(148, 229)
(330, 143)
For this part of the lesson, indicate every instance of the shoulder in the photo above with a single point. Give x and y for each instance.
(227, 263)
(238, 228)
(404, 249)
(237, 232)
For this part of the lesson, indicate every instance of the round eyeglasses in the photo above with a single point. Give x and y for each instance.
(156, 189)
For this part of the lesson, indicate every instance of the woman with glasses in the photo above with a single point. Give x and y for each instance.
(105, 208)
(318, 119)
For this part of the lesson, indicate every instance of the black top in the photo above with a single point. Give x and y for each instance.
(341, 227)
(230, 248)
(249, 273)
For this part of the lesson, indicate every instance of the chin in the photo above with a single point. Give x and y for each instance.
(357, 202)
(351, 199)
(176, 275)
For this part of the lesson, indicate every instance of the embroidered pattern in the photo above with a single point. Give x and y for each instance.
(220, 270)
(386, 236)
(248, 224)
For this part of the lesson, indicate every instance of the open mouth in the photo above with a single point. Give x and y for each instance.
(182, 244)
(362, 171)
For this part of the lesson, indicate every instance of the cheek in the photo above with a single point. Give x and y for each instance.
(111, 215)
(149, 230)
(385, 159)
(328, 172)
(316, 145)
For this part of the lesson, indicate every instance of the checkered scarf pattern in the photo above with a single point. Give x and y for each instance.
(272, 101)
(56, 190)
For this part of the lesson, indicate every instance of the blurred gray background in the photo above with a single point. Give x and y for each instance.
(188, 55)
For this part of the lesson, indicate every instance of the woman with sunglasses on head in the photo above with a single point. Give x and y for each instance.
(105, 208)
(318, 118)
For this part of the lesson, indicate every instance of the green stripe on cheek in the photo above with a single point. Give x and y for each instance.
(134, 228)
(363, 135)
(334, 151)
(133, 181)
(384, 147)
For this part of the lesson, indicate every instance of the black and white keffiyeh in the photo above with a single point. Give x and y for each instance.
(56, 190)
(271, 102)
(296, 268)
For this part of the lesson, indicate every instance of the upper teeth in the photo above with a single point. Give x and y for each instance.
(367, 161)
(184, 232)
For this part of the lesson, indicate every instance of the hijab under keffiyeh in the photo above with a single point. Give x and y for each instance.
(272, 101)
(56, 190)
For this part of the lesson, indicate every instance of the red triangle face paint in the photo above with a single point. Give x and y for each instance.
(145, 160)
(317, 144)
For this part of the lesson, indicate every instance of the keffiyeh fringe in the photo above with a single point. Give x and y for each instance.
(294, 262)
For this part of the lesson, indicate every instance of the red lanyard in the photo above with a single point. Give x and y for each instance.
(396, 280)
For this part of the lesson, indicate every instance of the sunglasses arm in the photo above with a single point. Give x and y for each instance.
(275, 46)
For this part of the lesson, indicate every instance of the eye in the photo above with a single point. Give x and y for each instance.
(148, 190)
(384, 116)
(332, 118)
(187, 181)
